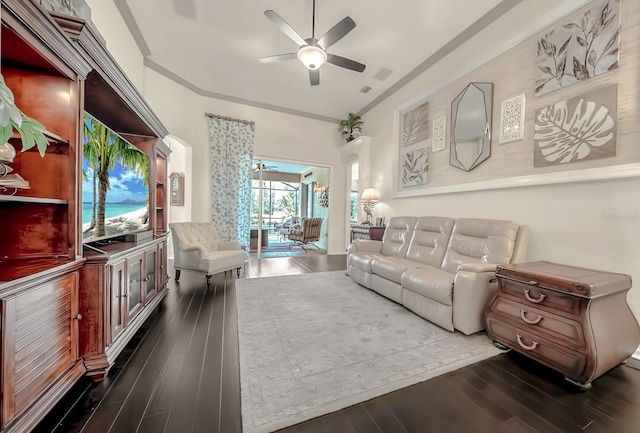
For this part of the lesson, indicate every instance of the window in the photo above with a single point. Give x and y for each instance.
(280, 200)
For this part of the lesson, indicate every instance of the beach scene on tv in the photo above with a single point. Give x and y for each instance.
(115, 184)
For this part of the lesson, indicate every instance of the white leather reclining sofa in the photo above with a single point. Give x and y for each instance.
(443, 269)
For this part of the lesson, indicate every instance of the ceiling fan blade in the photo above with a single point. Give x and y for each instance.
(345, 63)
(286, 28)
(279, 58)
(337, 32)
(314, 76)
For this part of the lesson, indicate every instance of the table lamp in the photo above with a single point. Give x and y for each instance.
(369, 199)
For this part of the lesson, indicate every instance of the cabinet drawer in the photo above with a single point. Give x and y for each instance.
(538, 321)
(571, 364)
(531, 295)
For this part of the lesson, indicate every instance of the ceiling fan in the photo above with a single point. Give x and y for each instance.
(256, 167)
(313, 52)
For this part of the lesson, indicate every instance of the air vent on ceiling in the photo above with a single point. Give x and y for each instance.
(383, 74)
(365, 89)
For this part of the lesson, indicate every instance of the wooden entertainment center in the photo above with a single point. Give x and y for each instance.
(67, 308)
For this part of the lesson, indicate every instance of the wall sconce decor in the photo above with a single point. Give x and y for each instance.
(369, 200)
(177, 189)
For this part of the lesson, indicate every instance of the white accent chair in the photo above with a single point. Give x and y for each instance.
(197, 247)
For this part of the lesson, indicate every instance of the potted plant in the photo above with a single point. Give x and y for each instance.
(31, 131)
(350, 126)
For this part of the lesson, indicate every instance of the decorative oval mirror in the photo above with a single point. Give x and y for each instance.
(471, 126)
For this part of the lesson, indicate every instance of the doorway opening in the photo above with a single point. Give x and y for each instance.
(283, 194)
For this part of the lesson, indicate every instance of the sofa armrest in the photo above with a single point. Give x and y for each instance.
(229, 245)
(471, 294)
(193, 247)
(477, 267)
(365, 245)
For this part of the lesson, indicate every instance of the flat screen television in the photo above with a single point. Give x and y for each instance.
(115, 184)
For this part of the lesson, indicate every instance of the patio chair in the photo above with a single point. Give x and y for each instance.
(307, 234)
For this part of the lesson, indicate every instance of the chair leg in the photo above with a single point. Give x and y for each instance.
(208, 280)
(177, 274)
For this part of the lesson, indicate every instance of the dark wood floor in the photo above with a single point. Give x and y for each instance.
(180, 374)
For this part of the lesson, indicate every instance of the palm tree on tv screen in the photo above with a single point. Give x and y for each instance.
(103, 148)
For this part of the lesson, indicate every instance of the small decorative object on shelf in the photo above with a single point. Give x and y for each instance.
(9, 183)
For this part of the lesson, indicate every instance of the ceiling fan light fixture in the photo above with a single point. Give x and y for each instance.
(312, 57)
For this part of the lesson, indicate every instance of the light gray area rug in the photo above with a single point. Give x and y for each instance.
(315, 343)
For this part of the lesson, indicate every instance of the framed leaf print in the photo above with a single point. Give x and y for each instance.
(412, 149)
(415, 125)
(586, 46)
(577, 129)
(415, 165)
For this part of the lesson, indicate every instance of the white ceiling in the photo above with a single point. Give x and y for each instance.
(214, 46)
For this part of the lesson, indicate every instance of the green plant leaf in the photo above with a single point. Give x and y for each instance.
(6, 132)
(32, 133)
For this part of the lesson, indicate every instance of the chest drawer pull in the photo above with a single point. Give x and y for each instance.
(523, 316)
(530, 299)
(534, 344)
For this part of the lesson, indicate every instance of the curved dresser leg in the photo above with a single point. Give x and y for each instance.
(501, 346)
(580, 386)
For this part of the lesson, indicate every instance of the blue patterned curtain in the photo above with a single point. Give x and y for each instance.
(231, 143)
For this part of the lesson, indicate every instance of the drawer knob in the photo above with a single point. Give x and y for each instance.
(78, 317)
(530, 299)
(523, 316)
(534, 344)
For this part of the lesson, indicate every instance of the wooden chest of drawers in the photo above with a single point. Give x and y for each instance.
(574, 320)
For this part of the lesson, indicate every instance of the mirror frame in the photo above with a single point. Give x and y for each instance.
(485, 153)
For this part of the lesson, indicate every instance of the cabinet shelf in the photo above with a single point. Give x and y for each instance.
(51, 137)
(33, 200)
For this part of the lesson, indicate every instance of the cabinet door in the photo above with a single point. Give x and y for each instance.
(39, 341)
(135, 285)
(151, 265)
(161, 267)
(118, 306)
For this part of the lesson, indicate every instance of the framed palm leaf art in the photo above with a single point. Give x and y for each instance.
(578, 129)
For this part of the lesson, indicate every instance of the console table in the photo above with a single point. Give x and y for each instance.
(574, 320)
(373, 233)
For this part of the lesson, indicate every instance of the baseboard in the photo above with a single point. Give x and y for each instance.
(634, 361)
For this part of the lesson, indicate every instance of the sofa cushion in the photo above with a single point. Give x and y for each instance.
(362, 260)
(480, 241)
(430, 282)
(430, 240)
(397, 236)
(218, 261)
(392, 268)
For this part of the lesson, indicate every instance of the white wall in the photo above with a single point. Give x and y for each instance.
(107, 19)
(180, 161)
(591, 224)
(278, 136)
